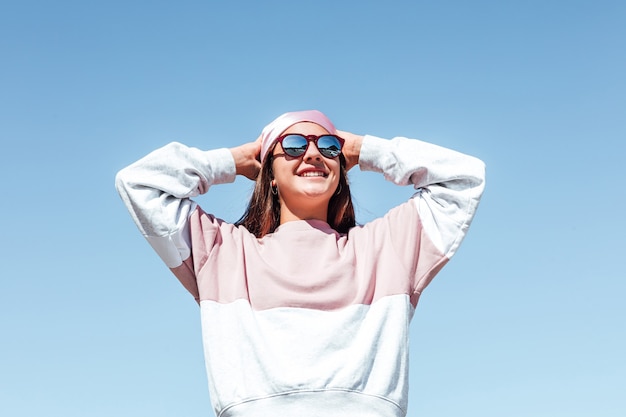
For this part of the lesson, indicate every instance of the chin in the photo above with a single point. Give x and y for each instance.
(321, 194)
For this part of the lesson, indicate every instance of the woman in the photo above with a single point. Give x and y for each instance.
(303, 312)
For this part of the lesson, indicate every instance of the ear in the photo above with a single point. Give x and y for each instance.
(273, 183)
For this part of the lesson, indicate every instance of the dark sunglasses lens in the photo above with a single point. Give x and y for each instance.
(329, 146)
(294, 145)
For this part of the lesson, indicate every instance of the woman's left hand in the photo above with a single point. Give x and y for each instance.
(351, 148)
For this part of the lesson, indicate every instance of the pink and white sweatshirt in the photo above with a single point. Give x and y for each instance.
(305, 321)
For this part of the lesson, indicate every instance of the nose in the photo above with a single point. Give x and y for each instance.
(312, 153)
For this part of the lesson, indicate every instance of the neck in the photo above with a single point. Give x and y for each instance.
(290, 214)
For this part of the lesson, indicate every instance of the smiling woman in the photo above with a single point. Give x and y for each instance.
(304, 162)
(303, 312)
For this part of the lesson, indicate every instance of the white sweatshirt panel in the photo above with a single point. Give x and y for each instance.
(254, 355)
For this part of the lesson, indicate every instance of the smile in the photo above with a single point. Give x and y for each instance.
(313, 174)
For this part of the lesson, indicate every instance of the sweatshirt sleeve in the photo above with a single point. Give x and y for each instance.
(157, 191)
(448, 187)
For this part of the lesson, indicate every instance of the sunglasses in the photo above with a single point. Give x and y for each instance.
(295, 145)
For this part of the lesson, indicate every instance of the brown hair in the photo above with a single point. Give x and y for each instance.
(263, 213)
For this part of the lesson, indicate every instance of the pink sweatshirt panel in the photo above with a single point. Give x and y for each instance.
(279, 270)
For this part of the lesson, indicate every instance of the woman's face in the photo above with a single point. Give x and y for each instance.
(310, 179)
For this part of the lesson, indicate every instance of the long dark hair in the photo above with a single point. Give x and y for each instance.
(263, 213)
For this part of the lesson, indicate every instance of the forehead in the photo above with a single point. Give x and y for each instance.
(306, 128)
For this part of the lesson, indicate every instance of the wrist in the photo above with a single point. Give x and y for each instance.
(355, 146)
(237, 158)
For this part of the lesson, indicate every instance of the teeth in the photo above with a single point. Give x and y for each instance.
(312, 174)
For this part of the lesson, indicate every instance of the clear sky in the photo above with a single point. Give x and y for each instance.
(527, 320)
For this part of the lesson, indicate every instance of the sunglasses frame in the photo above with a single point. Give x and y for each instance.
(315, 139)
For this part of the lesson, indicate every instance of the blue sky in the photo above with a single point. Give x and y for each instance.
(527, 320)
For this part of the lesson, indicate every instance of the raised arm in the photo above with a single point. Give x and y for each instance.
(158, 190)
(449, 186)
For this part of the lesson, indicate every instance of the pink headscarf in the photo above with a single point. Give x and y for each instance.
(272, 131)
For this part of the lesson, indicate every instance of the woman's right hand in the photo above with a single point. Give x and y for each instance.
(246, 158)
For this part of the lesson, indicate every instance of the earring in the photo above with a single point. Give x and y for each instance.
(274, 188)
(338, 190)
